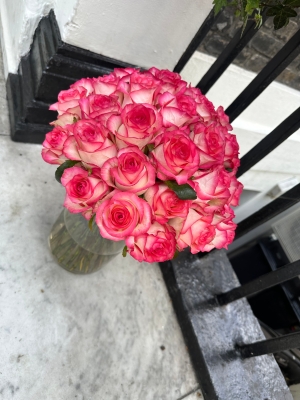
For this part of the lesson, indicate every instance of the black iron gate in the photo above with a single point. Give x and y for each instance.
(204, 288)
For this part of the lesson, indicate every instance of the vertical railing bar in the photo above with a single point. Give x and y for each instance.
(270, 72)
(290, 125)
(269, 346)
(231, 51)
(266, 281)
(200, 35)
(271, 210)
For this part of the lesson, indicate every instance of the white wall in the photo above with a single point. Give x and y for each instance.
(19, 20)
(143, 32)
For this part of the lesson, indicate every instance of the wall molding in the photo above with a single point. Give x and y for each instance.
(50, 66)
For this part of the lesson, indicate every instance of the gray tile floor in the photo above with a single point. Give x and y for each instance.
(76, 337)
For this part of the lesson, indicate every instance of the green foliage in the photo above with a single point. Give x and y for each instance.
(91, 221)
(176, 254)
(184, 192)
(219, 4)
(124, 252)
(62, 167)
(281, 10)
(251, 5)
(149, 147)
(272, 11)
(292, 3)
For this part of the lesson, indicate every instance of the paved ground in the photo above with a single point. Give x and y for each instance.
(66, 336)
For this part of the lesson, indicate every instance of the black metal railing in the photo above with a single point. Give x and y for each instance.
(266, 76)
(290, 125)
(270, 346)
(284, 130)
(228, 55)
(192, 47)
(264, 282)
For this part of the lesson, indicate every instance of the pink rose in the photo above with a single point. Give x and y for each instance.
(84, 85)
(194, 93)
(231, 157)
(225, 232)
(223, 118)
(106, 85)
(212, 185)
(156, 245)
(166, 76)
(68, 100)
(224, 215)
(138, 88)
(177, 111)
(111, 78)
(180, 101)
(65, 96)
(130, 131)
(205, 108)
(99, 107)
(124, 214)
(137, 125)
(171, 81)
(69, 107)
(200, 234)
(66, 119)
(89, 144)
(130, 171)
(120, 72)
(176, 157)
(235, 189)
(165, 203)
(143, 80)
(53, 144)
(82, 190)
(186, 104)
(211, 142)
(196, 233)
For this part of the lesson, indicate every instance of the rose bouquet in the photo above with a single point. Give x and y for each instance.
(150, 159)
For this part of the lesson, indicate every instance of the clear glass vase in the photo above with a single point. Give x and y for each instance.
(77, 248)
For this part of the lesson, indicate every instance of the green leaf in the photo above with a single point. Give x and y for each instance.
(62, 167)
(124, 252)
(219, 4)
(183, 192)
(292, 3)
(258, 21)
(176, 254)
(274, 10)
(91, 222)
(149, 147)
(289, 12)
(244, 24)
(251, 5)
(280, 20)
